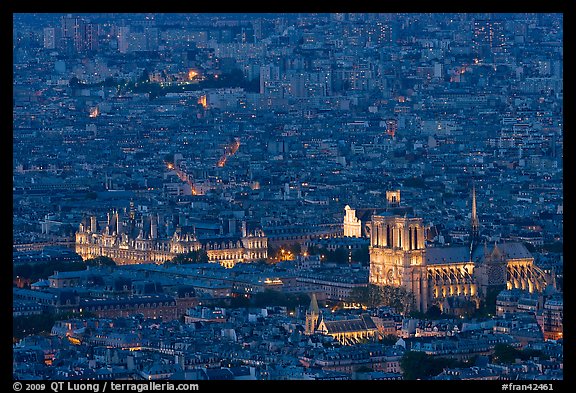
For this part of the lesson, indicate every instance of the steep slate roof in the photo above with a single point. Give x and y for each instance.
(366, 214)
(512, 250)
(220, 374)
(440, 255)
(368, 322)
(350, 325)
(314, 305)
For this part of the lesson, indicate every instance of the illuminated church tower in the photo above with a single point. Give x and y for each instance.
(397, 255)
(455, 278)
(312, 316)
(474, 219)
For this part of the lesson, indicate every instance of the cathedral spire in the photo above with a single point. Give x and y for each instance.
(313, 308)
(312, 316)
(474, 217)
(474, 238)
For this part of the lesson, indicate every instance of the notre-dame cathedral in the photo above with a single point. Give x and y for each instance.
(454, 278)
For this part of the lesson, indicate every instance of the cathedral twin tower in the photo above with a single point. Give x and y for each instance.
(397, 255)
(454, 278)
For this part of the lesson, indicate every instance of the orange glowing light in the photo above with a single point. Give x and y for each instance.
(192, 74)
(229, 150)
(182, 176)
(94, 112)
(203, 101)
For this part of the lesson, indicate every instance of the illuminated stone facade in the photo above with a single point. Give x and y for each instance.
(397, 255)
(345, 331)
(453, 278)
(130, 241)
(357, 221)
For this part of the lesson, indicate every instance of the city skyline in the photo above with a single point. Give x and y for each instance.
(316, 186)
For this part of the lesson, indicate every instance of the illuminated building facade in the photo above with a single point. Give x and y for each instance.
(128, 240)
(150, 306)
(551, 318)
(345, 331)
(455, 278)
(357, 221)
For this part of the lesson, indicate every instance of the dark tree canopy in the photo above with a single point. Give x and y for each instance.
(419, 365)
(374, 296)
(100, 261)
(272, 297)
(195, 256)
